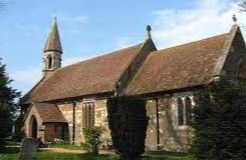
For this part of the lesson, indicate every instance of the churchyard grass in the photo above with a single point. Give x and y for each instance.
(47, 155)
(13, 152)
(66, 146)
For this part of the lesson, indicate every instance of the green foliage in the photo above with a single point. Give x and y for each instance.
(128, 124)
(92, 137)
(219, 122)
(86, 146)
(7, 105)
(19, 133)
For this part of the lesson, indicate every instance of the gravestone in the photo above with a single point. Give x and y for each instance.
(28, 150)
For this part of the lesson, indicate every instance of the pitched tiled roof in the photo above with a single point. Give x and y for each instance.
(49, 112)
(93, 76)
(178, 67)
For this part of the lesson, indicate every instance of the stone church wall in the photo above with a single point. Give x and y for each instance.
(52, 131)
(169, 136)
(164, 133)
(67, 111)
(237, 54)
(100, 119)
(40, 127)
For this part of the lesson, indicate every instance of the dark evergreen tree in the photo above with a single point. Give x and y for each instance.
(128, 125)
(8, 105)
(220, 122)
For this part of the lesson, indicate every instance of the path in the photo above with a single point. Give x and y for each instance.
(63, 150)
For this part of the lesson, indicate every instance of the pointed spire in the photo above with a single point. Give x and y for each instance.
(148, 29)
(53, 42)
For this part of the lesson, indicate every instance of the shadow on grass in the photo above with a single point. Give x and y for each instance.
(167, 155)
(10, 150)
(10, 153)
(159, 155)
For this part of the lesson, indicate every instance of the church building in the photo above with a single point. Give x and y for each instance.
(68, 99)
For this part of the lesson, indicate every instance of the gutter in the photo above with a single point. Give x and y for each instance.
(74, 118)
(157, 124)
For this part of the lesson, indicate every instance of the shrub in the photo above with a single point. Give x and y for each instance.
(219, 122)
(92, 137)
(128, 124)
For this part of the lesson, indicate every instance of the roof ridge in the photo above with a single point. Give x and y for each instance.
(189, 43)
(108, 53)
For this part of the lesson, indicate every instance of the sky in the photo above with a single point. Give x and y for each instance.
(89, 28)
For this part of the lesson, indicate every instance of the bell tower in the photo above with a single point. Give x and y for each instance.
(52, 50)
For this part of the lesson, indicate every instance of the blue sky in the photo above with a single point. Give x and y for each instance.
(90, 28)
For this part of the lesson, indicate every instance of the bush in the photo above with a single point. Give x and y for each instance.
(219, 122)
(92, 137)
(128, 125)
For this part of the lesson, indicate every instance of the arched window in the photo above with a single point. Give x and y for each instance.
(88, 117)
(188, 110)
(180, 112)
(49, 62)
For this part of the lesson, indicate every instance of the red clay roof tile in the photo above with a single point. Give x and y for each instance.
(49, 112)
(93, 76)
(178, 67)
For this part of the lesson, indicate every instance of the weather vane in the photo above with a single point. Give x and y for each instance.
(148, 28)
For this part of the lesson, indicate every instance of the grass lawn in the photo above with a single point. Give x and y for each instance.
(67, 146)
(12, 154)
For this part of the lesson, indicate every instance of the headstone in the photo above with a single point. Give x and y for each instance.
(28, 150)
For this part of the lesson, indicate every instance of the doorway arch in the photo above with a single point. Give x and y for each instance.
(33, 127)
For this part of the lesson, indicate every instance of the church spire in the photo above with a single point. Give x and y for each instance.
(52, 50)
(53, 42)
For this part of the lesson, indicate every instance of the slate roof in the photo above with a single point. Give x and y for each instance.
(93, 76)
(179, 67)
(49, 113)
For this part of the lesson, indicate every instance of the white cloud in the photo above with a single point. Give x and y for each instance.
(123, 42)
(206, 18)
(25, 79)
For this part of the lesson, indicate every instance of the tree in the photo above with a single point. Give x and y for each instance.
(8, 105)
(128, 124)
(219, 122)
